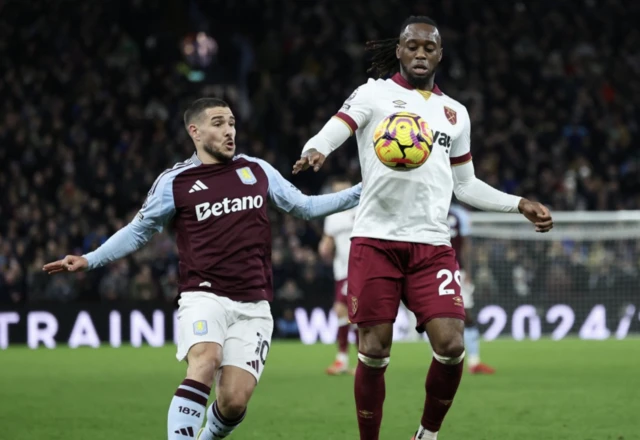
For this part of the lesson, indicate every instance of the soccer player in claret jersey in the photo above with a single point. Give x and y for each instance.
(414, 148)
(335, 244)
(459, 229)
(216, 202)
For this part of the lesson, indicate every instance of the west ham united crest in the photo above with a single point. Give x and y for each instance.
(451, 115)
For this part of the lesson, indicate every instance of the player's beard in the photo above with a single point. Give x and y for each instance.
(217, 155)
(419, 82)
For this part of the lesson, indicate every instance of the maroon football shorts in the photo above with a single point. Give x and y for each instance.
(382, 273)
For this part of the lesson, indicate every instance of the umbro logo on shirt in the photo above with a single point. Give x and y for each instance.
(198, 186)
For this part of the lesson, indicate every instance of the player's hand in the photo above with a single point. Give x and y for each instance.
(311, 158)
(536, 213)
(70, 263)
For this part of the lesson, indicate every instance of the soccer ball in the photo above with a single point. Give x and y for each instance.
(403, 141)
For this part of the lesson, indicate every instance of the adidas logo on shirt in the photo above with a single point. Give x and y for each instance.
(198, 186)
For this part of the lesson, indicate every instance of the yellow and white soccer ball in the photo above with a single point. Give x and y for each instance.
(403, 141)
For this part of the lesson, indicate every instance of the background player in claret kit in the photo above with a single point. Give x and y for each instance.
(216, 204)
(335, 245)
(400, 246)
(459, 229)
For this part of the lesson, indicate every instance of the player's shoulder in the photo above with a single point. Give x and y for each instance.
(363, 91)
(251, 161)
(453, 104)
(169, 175)
(250, 168)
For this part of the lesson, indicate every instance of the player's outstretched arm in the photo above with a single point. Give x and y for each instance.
(287, 198)
(127, 240)
(473, 191)
(155, 212)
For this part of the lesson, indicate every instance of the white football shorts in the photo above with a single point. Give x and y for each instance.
(243, 329)
(466, 290)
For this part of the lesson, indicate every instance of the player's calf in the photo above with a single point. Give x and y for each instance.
(189, 403)
(234, 389)
(444, 374)
(373, 358)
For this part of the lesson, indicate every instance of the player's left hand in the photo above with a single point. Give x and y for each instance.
(70, 263)
(536, 213)
(312, 158)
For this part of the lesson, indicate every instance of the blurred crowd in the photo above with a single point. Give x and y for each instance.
(93, 92)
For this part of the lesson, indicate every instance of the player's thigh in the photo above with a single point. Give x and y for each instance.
(202, 321)
(432, 285)
(375, 282)
(249, 338)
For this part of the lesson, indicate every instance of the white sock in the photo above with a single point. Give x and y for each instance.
(343, 357)
(425, 434)
(218, 426)
(187, 410)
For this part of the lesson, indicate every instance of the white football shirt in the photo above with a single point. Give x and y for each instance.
(410, 205)
(339, 226)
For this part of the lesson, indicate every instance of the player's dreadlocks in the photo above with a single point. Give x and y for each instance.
(383, 52)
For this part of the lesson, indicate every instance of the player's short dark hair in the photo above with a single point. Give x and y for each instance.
(383, 52)
(200, 105)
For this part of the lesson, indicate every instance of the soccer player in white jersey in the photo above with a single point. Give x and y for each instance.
(216, 203)
(335, 245)
(400, 246)
(459, 229)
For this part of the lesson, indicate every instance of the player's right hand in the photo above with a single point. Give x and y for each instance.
(70, 263)
(311, 158)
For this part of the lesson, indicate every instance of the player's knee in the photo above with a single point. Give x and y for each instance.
(204, 360)
(376, 341)
(233, 402)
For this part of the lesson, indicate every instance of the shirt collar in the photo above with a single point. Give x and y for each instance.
(399, 79)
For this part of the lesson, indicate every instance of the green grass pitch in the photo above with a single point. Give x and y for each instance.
(544, 390)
